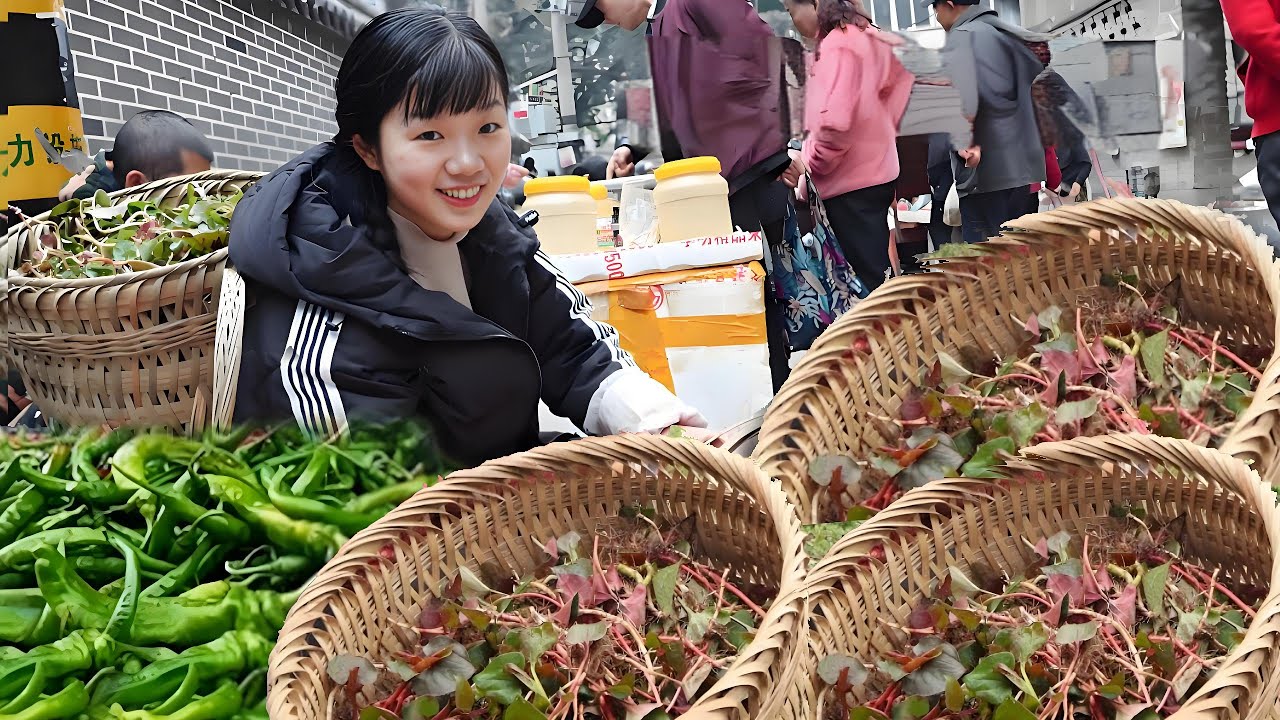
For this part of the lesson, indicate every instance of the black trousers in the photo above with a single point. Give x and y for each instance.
(860, 222)
(1269, 170)
(762, 207)
(984, 214)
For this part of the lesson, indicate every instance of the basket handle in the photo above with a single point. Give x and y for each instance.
(228, 346)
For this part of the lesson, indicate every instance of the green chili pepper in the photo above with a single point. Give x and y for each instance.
(103, 494)
(227, 656)
(129, 463)
(21, 554)
(26, 620)
(16, 517)
(257, 712)
(250, 502)
(68, 703)
(300, 508)
(391, 495)
(57, 460)
(179, 622)
(13, 580)
(28, 695)
(183, 575)
(218, 524)
(218, 705)
(145, 561)
(126, 608)
(62, 518)
(79, 651)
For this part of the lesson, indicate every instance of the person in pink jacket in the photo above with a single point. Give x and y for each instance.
(854, 100)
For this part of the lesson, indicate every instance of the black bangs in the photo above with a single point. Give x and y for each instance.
(434, 62)
(460, 78)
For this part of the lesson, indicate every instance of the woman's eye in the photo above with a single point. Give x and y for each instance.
(430, 135)
(490, 129)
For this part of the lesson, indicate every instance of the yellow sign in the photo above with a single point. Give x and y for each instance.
(26, 171)
(29, 7)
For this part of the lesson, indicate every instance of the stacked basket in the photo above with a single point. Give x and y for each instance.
(135, 348)
(847, 603)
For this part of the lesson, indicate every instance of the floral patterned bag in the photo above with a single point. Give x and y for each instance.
(810, 277)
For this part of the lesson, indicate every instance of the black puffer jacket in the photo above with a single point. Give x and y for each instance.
(336, 330)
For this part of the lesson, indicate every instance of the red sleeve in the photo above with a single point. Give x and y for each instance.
(1254, 25)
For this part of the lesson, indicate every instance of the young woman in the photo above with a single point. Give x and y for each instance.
(385, 281)
(853, 104)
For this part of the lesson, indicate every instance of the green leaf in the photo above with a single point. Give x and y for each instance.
(1163, 424)
(423, 708)
(987, 682)
(624, 688)
(931, 678)
(537, 640)
(442, 678)
(939, 462)
(1059, 544)
(988, 457)
(956, 696)
(1072, 567)
(827, 468)
(341, 667)
(583, 634)
(960, 581)
(1027, 640)
(377, 713)
(1114, 688)
(833, 666)
(1049, 318)
(664, 588)
(699, 624)
(824, 536)
(1071, 412)
(1013, 710)
(522, 710)
(953, 373)
(1071, 634)
(495, 683)
(1153, 351)
(1189, 623)
(863, 712)
(911, 708)
(1028, 421)
(1153, 588)
(1191, 393)
(464, 696)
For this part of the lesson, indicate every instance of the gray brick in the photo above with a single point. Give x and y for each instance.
(255, 122)
(133, 77)
(246, 135)
(251, 92)
(150, 62)
(229, 86)
(100, 108)
(290, 104)
(204, 79)
(274, 33)
(232, 14)
(77, 6)
(112, 51)
(224, 53)
(192, 91)
(81, 45)
(248, 63)
(223, 25)
(96, 68)
(238, 75)
(159, 48)
(127, 38)
(234, 119)
(87, 86)
(111, 128)
(130, 5)
(242, 104)
(166, 85)
(153, 100)
(258, 53)
(202, 125)
(220, 99)
(176, 38)
(83, 24)
(195, 13)
(270, 98)
(128, 111)
(107, 12)
(237, 148)
(177, 70)
(186, 25)
(190, 59)
(209, 112)
(212, 35)
(279, 87)
(275, 127)
(157, 13)
(185, 108)
(143, 25)
(216, 67)
(116, 91)
(177, 6)
(93, 127)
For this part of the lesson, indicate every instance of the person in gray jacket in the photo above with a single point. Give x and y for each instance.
(993, 70)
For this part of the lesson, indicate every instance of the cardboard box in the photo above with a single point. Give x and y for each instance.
(735, 249)
(700, 332)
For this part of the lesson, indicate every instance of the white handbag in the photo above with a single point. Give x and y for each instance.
(951, 211)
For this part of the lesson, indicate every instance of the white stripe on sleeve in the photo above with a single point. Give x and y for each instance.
(580, 310)
(306, 370)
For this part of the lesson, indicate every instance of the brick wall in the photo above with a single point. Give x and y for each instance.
(255, 78)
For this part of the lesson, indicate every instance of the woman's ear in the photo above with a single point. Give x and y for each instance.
(367, 153)
(134, 178)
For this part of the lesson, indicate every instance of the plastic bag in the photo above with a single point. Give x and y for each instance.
(637, 217)
(951, 211)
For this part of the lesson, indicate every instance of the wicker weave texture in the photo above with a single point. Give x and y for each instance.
(844, 393)
(127, 349)
(498, 517)
(983, 526)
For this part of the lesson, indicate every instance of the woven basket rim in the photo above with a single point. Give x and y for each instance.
(17, 281)
(1074, 227)
(727, 696)
(909, 514)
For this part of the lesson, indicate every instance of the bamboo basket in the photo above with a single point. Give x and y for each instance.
(500, 516)
(132, 349)
(837, 400)
(1232, 525)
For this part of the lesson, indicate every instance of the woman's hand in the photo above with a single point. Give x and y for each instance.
(971, 157)
(621, 164)
(515, 173)
(791, 176)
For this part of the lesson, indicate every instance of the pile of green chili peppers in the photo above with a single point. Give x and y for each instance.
(145, 575)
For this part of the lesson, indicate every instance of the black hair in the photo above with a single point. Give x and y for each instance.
(433, 61)
(152, 142)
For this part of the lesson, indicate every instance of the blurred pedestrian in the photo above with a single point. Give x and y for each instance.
(1255, 26)
(993, 69)
(152, 145)
(853, 104)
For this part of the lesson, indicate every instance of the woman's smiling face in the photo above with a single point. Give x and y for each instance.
(442, 173)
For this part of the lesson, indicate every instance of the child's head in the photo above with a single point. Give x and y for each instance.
(422, 99)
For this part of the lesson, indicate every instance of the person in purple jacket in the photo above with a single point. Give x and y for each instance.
(717, 83)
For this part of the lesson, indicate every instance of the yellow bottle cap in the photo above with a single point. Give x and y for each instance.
(599, 191)
(692, 166)
(558, 184)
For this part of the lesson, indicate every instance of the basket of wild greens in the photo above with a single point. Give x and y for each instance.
(1114, 316)
(622, 577)
(1122, 577)
(111, 302)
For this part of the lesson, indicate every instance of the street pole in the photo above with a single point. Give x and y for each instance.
(1208, 118)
